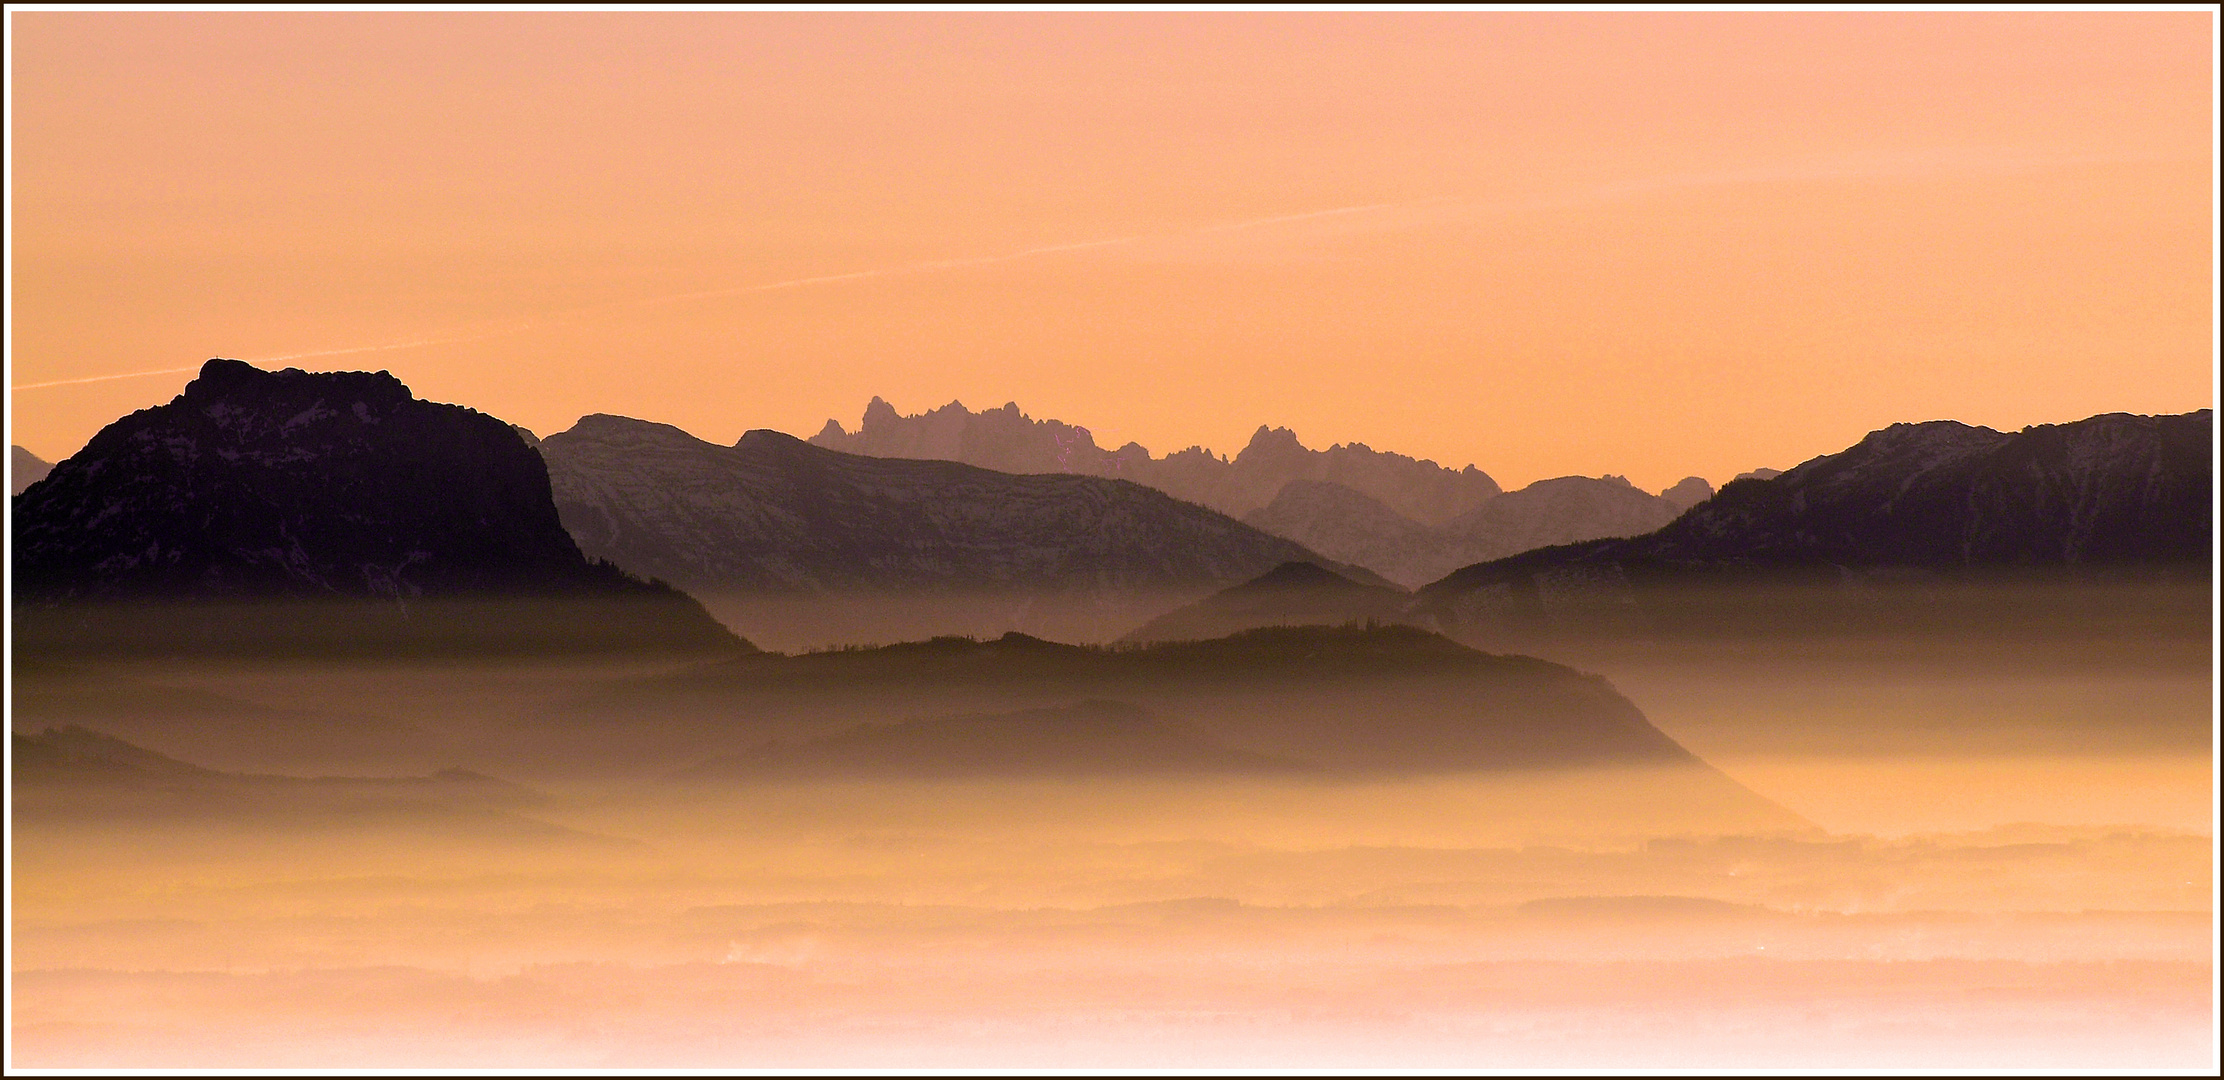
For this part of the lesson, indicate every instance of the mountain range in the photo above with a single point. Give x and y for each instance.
(1409, 520)
(2110, 496)
(341, 508)
(412, 521)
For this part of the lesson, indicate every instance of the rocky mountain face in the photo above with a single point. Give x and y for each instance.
(774, 514)
(2111, 493)
(25, 469)
(1007, 440)
(1410, 521)
(258, 486)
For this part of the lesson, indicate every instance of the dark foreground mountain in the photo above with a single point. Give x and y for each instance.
(298, 511)
(1343, 701)
(1292, 594)
(25, 469)
(1092, 738)
(775, 514)
(2113, 497)
(69, 775)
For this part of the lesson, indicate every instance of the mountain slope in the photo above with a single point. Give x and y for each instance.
(259, 488)
(2111, 493)
(774, 514)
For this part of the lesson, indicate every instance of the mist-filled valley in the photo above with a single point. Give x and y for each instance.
(1898, 841)
(1514, 541)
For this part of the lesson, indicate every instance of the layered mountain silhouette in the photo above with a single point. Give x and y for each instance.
(402, 519)
(1380, 699)
(2115, 493)
(1350, 527)
(1092, 738)
(25, 469)
(76, 775)
(1292, 594)
(773, 514)
(1007, 440)
(1412, 521)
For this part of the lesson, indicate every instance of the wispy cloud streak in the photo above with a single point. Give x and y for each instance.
(743, 290)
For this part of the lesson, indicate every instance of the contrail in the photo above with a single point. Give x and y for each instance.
(740, 290)
(103, 378)
(987, 260)
(289, 356)
(419, 343)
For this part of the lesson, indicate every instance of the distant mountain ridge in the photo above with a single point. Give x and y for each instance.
(72, 774)
(774, 514)
(1409, 520)
(1355, 698)
(1292, 594)
(1007, 440)
(1350, 527)
(257, 486)
(25, 469)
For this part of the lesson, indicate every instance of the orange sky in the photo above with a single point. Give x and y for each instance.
(1648, 244)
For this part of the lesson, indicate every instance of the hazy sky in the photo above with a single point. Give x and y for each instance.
(1648, 244)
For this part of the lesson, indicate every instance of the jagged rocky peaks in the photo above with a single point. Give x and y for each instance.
(256, 486)
(25, 469)
(1007, 440)
(773, 514)
(1410, 520)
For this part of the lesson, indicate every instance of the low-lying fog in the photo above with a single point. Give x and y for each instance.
(1966, 857)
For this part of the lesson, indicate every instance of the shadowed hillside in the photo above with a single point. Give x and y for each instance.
(1914, 506)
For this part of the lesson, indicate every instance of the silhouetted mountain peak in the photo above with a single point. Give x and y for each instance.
(292, 485)
(1687, 493)
(223, 379)
(25, 469)
(71, 750)
(878, 414)
(1269, 444)
(1300, 575)
(762, 439)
